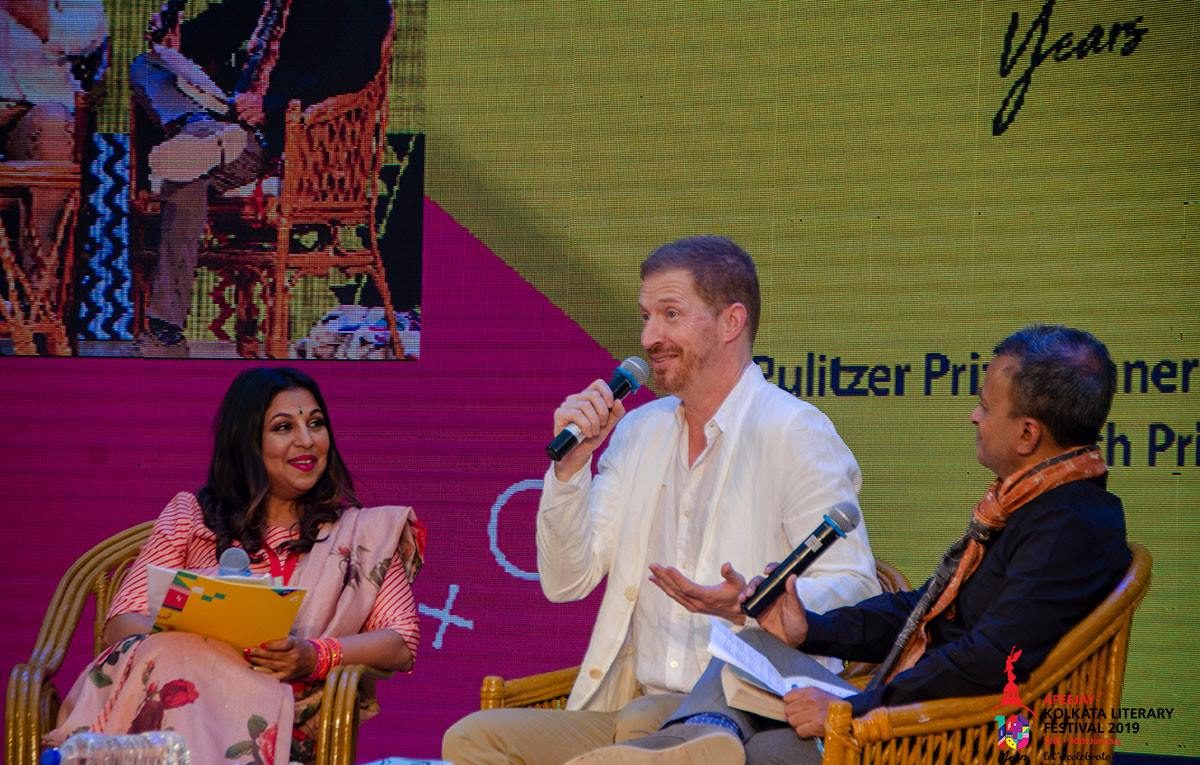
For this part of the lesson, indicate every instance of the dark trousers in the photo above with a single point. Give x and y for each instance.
(184, 205)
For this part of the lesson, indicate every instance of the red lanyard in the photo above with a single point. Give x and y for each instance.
(281, 571)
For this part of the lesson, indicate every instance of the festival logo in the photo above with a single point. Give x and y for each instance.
(1013, 732)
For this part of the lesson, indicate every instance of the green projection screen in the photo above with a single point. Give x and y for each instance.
(915, 181)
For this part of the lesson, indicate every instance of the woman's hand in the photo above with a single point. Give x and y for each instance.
(288, 658)
(293, 658)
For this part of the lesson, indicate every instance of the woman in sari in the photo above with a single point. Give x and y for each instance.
(278, 488)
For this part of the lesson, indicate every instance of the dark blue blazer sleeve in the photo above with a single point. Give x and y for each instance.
(1059, 556)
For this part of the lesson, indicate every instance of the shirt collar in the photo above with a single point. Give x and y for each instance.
(731, 408)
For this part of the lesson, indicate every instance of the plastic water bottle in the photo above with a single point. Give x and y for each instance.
(169, 747)
(80, 748)
(160, 747)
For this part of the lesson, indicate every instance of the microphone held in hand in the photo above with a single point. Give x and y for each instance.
(628, 377)
(841, 519)
(234, 562)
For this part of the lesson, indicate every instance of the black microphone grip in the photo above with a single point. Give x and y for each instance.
(564, 442)
(795, 563)
(627, 378)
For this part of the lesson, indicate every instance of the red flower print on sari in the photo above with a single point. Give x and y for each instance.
(175, 693)
(266, 743)
(260, 746)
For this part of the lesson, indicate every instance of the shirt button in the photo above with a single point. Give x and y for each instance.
(674, 665)
(595, 674)
(631, 593)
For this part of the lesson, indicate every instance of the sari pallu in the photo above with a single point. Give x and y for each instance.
(204, 688)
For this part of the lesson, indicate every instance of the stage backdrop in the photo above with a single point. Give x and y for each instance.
(915, 182)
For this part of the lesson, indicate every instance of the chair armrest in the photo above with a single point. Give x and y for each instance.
(840, 746)
(925, 717)
(337, 736)
(29, 702)
(546, 689)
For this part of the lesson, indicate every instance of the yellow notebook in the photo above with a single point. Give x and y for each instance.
(241, 611)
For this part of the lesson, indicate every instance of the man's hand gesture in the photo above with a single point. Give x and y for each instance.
(716, 600)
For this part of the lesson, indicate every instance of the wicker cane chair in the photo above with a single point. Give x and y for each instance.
(1089, 660)
(39, 299)
(33, 700)
(332, 154)
(549, 690)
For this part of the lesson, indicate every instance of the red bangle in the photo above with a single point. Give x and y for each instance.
(328, 656)
(320, 666)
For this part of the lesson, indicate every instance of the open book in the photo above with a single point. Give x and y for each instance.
(753, 684)
(242, 611)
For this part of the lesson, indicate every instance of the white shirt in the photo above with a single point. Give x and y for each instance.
(775, 468)
(665, 634)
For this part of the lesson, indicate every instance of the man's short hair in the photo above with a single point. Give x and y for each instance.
(723, 272)
(1066, 380)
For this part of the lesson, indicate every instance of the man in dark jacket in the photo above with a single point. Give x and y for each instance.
(1045, 545)
(263, 54)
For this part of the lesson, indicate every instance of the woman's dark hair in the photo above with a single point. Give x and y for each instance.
(234, 499)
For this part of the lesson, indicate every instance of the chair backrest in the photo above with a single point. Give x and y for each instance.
(891, 579)
(1088, 661)
(33, 701)
(333, 151)
(96, 575)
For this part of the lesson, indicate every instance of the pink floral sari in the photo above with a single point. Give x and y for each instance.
(206, 691)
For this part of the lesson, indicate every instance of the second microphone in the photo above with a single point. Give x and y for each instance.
(841, 519)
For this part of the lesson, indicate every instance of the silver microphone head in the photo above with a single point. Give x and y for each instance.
(637, 368)
(846, 515)
(234, 559)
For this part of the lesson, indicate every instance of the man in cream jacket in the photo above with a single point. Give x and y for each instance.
(725, 474)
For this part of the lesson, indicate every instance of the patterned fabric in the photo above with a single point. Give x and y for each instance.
(714, 718)
(203, 688)
(991, 513)
(181, 540)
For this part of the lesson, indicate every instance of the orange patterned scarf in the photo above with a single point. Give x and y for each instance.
(1001, 500)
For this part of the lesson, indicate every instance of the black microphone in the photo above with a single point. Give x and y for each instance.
(628, 377)
(841, 519)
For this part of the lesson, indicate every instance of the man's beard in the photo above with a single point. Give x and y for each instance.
(687, 366)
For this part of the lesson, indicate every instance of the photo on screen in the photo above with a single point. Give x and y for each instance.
(195, 181)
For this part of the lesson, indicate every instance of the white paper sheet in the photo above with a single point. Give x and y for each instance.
(729, 648)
